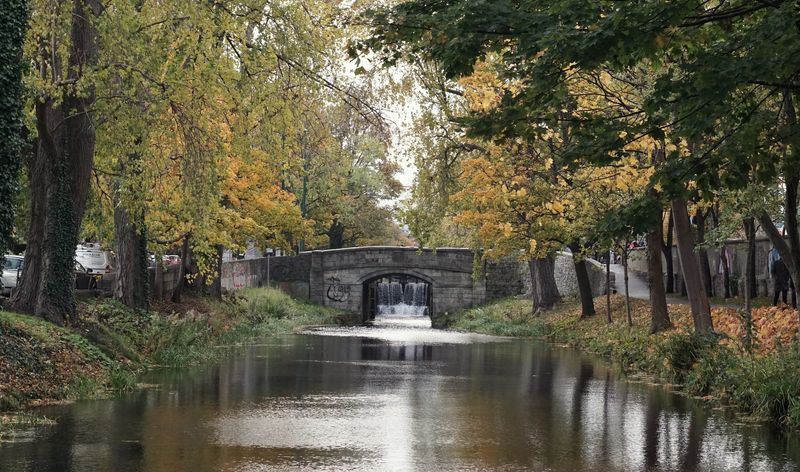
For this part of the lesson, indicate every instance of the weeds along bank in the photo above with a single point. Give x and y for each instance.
(762, 384)
(40, 362)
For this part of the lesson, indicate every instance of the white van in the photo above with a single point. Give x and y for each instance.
(12, 268)
(94, 259)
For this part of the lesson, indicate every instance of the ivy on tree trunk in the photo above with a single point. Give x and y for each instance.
(12, 35)
(60, 170)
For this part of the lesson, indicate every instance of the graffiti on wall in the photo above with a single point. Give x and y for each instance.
(337, 291)
(236, 276)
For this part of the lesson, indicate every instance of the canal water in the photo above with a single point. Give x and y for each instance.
(397, 396)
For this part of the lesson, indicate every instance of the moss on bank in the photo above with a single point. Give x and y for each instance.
(763, 384)
(41, 362)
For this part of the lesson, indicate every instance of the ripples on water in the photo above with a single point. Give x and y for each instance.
(397, 396)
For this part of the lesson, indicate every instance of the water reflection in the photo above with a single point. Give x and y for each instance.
(397, 398)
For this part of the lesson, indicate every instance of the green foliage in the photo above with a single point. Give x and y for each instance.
(121, 380)
(89, 350)
(84, 387)
(12, 34)
(681, 351)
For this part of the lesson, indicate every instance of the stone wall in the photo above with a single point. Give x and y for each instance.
(637, 261)
(169, 281)
(566, 280)
(504, 279)
(288, 273)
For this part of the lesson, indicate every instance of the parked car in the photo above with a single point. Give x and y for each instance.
(171, 259)
(94, 259)
(12, 269)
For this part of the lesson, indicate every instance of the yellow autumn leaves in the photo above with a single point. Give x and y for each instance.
(517, 196)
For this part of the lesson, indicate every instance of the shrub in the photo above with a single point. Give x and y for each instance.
(680, 352)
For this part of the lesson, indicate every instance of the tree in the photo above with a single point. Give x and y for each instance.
(344, 176)
(692, 96)
(63, 157)
(12, 35)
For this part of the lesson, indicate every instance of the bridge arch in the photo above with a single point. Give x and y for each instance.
(337, 277)
(409, 291)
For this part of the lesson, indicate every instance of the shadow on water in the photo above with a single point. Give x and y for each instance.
(397, 396)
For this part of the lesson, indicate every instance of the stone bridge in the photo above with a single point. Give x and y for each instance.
(343, 278)
(346, 278)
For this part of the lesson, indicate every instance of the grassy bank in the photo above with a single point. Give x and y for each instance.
(111, 344)
(762, 383)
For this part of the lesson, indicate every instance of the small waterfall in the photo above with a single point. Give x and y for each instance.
(396, 299)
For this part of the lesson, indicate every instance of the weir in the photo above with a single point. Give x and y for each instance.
(397, 299)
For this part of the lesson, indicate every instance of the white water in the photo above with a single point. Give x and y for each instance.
(398, 300)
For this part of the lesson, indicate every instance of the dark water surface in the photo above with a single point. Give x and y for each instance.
(389, 398)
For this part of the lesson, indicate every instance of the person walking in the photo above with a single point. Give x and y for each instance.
(783, 281)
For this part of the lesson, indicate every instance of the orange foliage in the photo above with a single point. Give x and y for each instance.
(772, 326)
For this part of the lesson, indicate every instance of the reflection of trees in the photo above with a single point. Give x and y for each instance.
(605, 446)
(60, 441)
(694, 440)
(373, 350)
(491, 406)
(651, 432)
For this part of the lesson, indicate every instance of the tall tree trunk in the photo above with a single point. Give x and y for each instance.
(216, 285)
(750, 275)
(56, 300)
(726, 272)
(723, 257)
(27, 292)
(544, 290)
(701, 310)
(12, 38)
(789, 251)
(584, 283)
(130, 233)
(791, 180)
(131, 238)
(178, 292)
(659, 315)
(336, 235)
(608, 286)
(750, 270)
(702, 254)
(65, 155)
(627, 292)
(667, 249)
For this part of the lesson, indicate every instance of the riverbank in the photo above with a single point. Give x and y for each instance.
(761, 383)
(43, 363)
